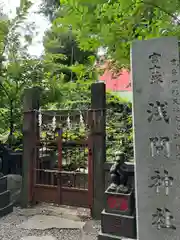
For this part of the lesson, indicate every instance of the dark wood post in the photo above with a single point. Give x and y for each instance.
(30, 132)
(98, 136)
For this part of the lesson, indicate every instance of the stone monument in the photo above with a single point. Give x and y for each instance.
(156, 113)
(5, 205)
(118, 217)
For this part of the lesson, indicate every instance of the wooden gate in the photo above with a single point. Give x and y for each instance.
(62, 169)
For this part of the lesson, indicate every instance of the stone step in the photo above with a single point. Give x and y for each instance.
(6, 210)
(118, 225)
(3, 184)
(105, 236)
(4, 199)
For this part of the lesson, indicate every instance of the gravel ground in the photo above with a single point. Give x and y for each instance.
(9, 231)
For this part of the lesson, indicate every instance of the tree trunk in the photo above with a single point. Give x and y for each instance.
(11, 126)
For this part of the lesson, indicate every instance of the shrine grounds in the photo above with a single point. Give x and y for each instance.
(76, 224)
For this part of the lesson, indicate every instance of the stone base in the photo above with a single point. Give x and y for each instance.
(118, 225)
(3, 184)
(6, 210)
(104, 236)
(120, 203)
(5, 206)
(4, 199)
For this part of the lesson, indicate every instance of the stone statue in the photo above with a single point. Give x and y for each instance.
(119, 178)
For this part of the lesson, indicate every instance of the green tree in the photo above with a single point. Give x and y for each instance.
(16, 68)
(63, 57)
(114, 24)
(49, 8)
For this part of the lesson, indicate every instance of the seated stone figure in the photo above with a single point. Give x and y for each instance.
(119, 178)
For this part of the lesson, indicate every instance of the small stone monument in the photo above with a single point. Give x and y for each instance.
(5, 205)
(118, 217)
(156, 113)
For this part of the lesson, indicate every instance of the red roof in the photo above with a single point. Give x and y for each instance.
(119, 82)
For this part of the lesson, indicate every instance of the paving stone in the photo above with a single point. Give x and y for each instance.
(39, 238)
(43, 222)
(92, 226)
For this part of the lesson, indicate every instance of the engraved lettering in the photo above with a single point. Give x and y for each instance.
(159, 181)
(156, 75)
(174, 62)
(177, 147)
(174, 81)
(175, 69)
(177, 118)
(163, 218)
(160, 145)
(158, 111)
(176, 109)
(174, 72)
(175, 92)
(176, 101)
(178, 151)
(178, 126)
(176, 135)
(155, 58)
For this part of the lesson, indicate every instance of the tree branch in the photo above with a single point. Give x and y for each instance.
(1, 85)
(150, 3)
(162, 9)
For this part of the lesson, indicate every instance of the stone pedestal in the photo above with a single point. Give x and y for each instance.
(3, 184)
(118, 219)
(5, 205)
(120, 203)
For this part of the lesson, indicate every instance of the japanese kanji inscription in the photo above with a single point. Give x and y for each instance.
(156, 118)
(156, 75)
(158, 111)
(163, 218)
(160, 145)
(162, 180)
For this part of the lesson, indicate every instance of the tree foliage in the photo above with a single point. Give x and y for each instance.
(63, 56)
(15, 69)
(115, 24)
(49, 8)
(65, 73)
(77, 96)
